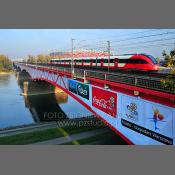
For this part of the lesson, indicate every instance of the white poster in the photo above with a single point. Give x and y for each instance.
(133, 110)
(159, 119)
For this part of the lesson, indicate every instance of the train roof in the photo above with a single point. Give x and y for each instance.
(105, 57)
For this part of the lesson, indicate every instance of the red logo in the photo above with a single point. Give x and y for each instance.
(105, 101)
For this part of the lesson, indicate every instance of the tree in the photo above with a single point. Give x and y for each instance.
(169, 58)
(41, 58)
(31, 59)
(5, 63)
(169, 81)
(158, 59)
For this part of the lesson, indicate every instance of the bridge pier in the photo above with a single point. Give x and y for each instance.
(26, 88)
(17, 76)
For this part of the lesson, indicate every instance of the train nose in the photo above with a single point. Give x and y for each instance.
(156, 67)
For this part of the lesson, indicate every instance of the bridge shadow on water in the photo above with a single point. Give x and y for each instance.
(42, 101)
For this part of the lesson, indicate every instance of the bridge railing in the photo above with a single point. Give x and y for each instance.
(139, 81)
(153, 84)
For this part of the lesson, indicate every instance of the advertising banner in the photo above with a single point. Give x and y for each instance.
(83, 90)
(73, 86)
(104, 100)
(79, 88)
(152, 120)
(159, 119)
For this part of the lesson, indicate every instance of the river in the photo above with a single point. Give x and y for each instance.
(17, 110)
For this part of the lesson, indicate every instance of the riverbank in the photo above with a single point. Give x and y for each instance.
(6, 72)
(75, 132)
(47, 134)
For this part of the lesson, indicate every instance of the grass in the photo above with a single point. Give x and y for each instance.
(90, 139)
(27, 138)
(5, 72)
(106, 138)
(37, 136)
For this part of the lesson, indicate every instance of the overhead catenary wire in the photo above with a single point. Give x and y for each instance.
(121, 44)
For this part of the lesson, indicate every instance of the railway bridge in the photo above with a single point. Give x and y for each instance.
(138, 108)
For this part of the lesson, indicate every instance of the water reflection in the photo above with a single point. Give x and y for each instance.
(12, 106)
(4, 80)
(44, 108)
(16, 110)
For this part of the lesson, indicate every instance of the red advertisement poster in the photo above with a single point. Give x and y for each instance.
(105, 101)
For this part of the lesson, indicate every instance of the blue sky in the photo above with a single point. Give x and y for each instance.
(18, 43)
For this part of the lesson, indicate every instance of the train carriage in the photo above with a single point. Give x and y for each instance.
(127, 61)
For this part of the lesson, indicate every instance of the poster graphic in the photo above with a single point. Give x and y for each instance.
(79, 88)
(83, 90)
(73, 86)
(156, 118)
(159, 119)
(132, 111)
(104, 100)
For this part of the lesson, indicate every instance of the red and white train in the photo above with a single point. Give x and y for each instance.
(127, 61)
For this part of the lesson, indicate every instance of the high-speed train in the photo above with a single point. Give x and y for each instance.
(128, 61)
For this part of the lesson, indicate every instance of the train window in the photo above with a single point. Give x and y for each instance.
(87, 61)
(152, 59)
(123, 60)
(78, 61)
(141, 61)
(95, 60)
(99, 61)
(111, 61)
(132, 61)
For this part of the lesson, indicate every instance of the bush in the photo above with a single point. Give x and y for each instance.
(169, 81)
(5, 63)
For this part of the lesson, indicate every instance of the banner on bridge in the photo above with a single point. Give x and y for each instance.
(80, 89)
(104, 100)
(147, 118)
(72, 86)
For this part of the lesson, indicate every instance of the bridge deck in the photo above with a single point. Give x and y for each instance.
(143, 81)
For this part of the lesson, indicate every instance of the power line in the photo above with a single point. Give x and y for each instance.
(142, 46)
(100, 41)
(145, 36)
(107, 37)
(158, 40)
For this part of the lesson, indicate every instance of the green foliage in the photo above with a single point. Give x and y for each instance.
(41, 58)
(158, 60)
(31, 59)
(5, 63)
(169, 58)
(169, 81)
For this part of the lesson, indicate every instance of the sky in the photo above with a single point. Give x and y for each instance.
(19, 43)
